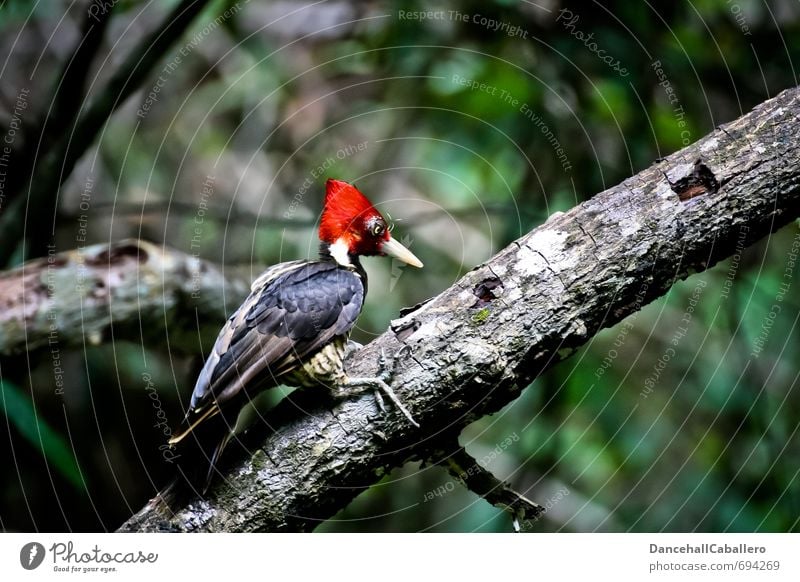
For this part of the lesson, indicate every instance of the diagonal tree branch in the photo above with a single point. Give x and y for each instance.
(475, 346)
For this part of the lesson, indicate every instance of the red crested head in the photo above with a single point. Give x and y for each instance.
(350, 225)
(348, 215)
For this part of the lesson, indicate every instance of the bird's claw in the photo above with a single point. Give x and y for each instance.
(379, 401)
(384, 373)
(381, 384)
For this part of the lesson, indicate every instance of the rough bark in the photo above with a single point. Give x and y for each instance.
(474, 347)
(132, 289)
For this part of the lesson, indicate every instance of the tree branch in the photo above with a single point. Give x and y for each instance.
(469, 473)
(69, 92)
(133, 286)
(475, 346)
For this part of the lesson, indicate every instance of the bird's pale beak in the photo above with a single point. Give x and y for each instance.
(394, 249)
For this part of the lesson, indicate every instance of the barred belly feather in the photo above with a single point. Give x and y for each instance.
(325, 367)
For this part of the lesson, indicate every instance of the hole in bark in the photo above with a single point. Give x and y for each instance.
(484, 291)
(701, 181)
(117, 253)
(406, 310)
(404, 330)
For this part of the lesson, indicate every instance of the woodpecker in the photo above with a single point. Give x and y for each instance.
(293, 328)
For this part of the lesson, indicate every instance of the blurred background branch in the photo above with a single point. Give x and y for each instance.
(75, 122)
(129, 290)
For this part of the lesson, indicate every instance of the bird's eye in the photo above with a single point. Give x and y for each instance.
(377, 229)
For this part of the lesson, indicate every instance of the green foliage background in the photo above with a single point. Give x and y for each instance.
(265, 98)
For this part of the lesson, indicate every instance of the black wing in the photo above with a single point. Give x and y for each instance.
(293, 310)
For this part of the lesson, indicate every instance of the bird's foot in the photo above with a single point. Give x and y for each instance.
(380, 384)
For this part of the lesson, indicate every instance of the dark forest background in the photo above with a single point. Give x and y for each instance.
(469, 125)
